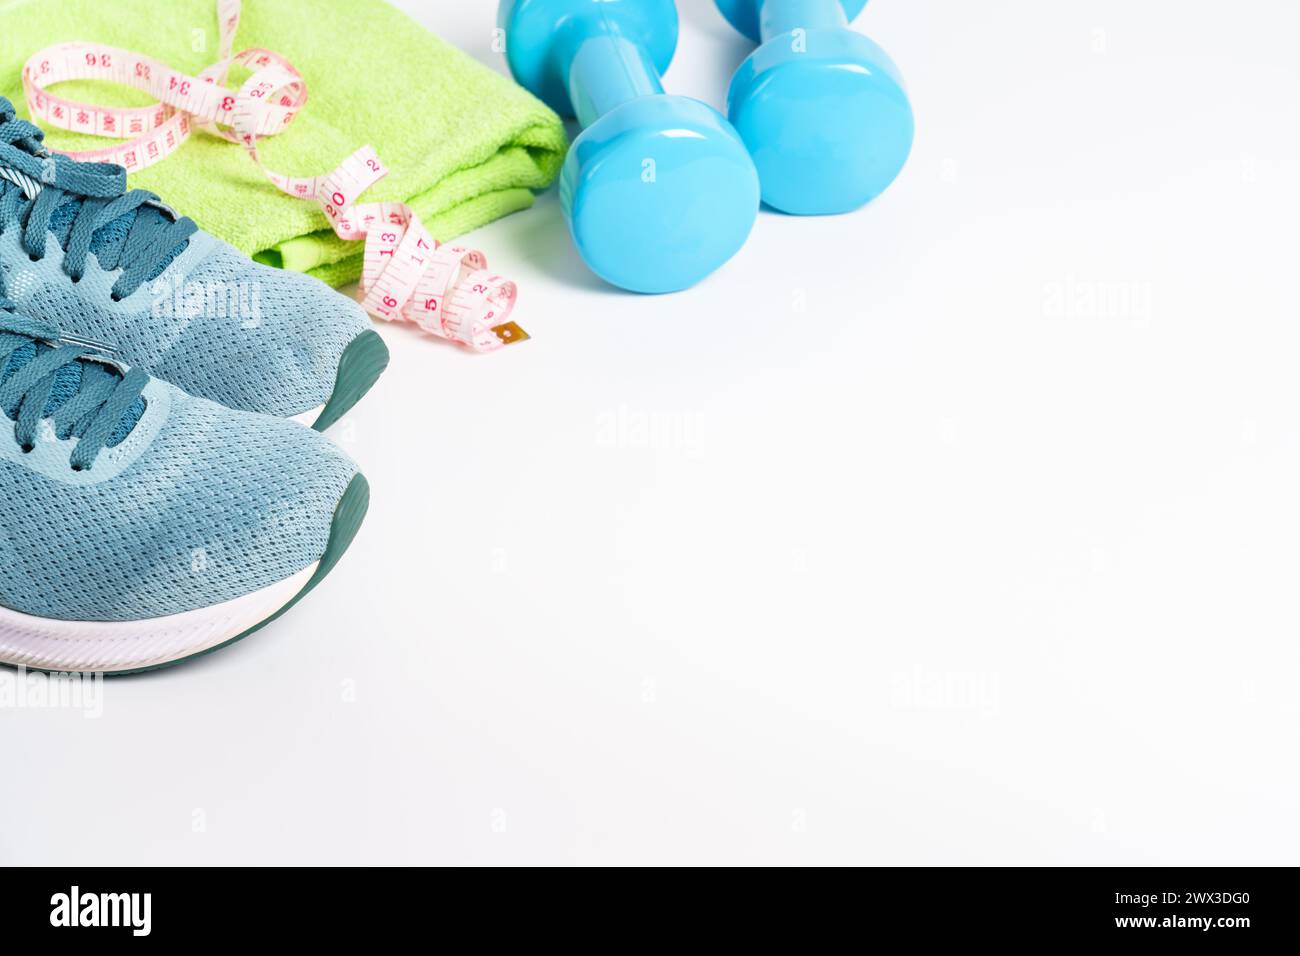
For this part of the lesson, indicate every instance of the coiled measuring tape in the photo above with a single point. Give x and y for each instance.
(406, 276)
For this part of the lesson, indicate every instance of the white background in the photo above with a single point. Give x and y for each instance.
(962, 529)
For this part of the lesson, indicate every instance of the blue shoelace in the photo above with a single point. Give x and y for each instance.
(41, 377)
(86, 206)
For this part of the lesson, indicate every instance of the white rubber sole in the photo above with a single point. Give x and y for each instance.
(109, 646)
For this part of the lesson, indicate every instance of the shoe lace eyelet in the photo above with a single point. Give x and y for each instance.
(27, 449)
(80, 467)
(115, 297)
(32, 256)
(75, 279)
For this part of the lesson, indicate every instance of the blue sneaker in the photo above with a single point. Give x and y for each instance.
(139, 525)
(122, 270)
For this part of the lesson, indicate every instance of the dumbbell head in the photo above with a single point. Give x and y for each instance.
(743, 14)
(542, 38)
(658, 190)
(823, 112)
(659, 193)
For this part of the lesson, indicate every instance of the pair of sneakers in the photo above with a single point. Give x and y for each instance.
(157, 497)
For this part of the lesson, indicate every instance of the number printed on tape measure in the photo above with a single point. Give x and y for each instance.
(406, 274)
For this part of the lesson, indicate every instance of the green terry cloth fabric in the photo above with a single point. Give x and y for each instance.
(464, 145)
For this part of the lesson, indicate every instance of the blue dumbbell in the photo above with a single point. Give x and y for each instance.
(658, 190)
(821, 108)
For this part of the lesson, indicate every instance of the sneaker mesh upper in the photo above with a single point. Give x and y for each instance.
(229, 329)
(219, 504)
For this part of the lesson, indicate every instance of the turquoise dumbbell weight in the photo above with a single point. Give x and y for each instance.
(821, 108)
(658, 190)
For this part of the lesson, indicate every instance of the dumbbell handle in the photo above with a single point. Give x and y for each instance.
(779, 17)
(605, 71)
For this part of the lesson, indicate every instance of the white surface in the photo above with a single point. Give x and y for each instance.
(927, 558)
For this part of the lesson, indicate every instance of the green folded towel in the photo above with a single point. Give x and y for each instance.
(464, 145)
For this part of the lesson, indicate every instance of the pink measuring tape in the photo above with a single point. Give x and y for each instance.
(407, 275)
